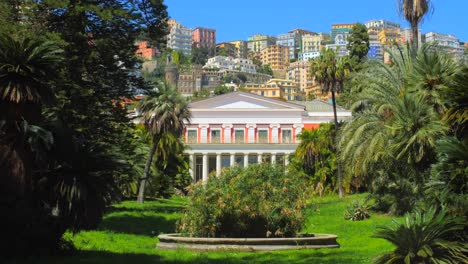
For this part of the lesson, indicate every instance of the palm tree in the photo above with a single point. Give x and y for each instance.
(331, 73)
(457, 100)
(424, 238)
(414, 11)
(396, 124)
(165, 111)
(26, 66)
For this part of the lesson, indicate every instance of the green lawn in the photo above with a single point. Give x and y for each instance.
(125, 236)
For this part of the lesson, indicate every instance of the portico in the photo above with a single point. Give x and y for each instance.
(239, 129)
(213, 161)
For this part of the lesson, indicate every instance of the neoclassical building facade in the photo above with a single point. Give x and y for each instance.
(243, 128)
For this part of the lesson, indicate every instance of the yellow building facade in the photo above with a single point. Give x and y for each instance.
(241, 47)
(388, 36)
(276, 56)
(277, 88)
(314, 43)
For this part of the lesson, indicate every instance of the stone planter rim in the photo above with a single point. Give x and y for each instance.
(177, 241)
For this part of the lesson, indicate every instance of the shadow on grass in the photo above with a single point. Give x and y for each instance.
(154, 208)
(184, 257)
(147, 225)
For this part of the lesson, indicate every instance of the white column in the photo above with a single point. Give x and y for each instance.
(274, 133)
(233, 160)
(273, 158)
(205, 167)
(204, 134)
(191, 160)
(218, 164)
(251, 133)
(246, 160)
(227, 133)
(286, 159)
(298, 131)
(259, 158)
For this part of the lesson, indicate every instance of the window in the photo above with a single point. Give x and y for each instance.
(274, 93)
(263, 136)
(215, 136)
(239, 136)
(192, 137)
(286, 136)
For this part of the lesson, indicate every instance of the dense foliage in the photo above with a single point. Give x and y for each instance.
(259, 201)
(391, 141)
(331, 72)
(65, 145)
(424, 237)
(358, 42)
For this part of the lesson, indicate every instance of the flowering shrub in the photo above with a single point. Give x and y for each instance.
(260, 201)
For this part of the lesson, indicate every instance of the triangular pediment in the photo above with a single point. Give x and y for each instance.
(243, 100)
(241, 105)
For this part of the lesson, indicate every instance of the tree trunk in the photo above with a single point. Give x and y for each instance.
(340, 176)
(414, 38)
(141, 189)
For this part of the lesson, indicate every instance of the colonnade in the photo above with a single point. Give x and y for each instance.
(232, 160)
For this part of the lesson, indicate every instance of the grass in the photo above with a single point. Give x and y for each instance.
(128, 234)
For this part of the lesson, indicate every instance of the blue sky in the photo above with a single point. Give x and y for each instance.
(238, 19)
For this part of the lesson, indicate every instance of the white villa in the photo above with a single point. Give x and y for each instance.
(244, 128)
(229, 63)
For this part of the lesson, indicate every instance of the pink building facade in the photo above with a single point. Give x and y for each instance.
(204, 37)
(242, 128)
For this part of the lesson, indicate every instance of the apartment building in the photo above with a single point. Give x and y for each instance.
(145, 50)
(204, 37)
(293, 42)
(299, 72)
(258, 42)
(381, 24)
(389, 36)
(230, 63)
(226, 49)
(443, 40)
(407, 36)
(179, 38)
(340, 32)
(241, 48)
(277, 88)
(276, 56)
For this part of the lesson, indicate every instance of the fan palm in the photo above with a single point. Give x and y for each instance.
(457, 97)
(414, 11)
(432, 74)
(331, 73)
(26, 66)
(424, 238)
(163, 112)
(448, 186)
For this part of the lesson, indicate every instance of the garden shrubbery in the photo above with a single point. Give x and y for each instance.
(260, 201)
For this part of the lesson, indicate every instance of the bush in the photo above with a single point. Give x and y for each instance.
(260, 201)
(425, 238)
(357, 211)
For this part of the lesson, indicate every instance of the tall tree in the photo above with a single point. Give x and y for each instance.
(414, 11)
(163, 112)
(358, 42)
(331, 72)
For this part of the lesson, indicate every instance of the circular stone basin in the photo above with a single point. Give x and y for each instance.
(177, 241)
